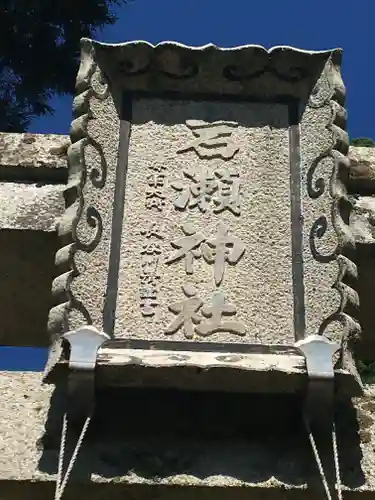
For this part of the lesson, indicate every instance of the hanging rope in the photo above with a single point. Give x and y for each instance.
(62, 479)
(319, 462)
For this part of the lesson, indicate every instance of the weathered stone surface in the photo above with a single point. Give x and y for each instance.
(192, 441)
(362, 170)
(362, 219)
(30, 206)
(43, 157)
(23, 410)
(200, 217)
(38, 157)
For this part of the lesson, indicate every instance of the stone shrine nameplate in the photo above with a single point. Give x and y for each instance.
(207, 191)
(206, 202)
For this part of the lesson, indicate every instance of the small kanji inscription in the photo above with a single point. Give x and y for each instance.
(150, 253)
(148, 294)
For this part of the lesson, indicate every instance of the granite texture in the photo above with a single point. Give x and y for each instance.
(44, 157)
(253, 70)
(37, 156)
(85, 228)
(329, 274)
(32, 171)
(190, 443)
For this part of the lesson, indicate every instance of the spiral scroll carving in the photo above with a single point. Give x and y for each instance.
(315, 188)
(329, 91)
(90, 83)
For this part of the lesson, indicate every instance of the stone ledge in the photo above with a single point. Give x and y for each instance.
(33, 157)
(149, 464)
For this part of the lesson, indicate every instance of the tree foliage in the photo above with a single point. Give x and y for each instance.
(39, 52)
(363, 142)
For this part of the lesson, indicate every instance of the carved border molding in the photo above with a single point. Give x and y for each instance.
(90, 83)
(171, 66)
(330, 91)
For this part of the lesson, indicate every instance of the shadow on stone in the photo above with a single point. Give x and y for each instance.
(230, 439)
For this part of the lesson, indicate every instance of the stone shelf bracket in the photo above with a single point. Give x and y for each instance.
(319, 403)
(84, 345)
(318, 411)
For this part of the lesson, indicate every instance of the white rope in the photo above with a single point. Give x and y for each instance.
(320, 464)
(337, 462)
(61, 480)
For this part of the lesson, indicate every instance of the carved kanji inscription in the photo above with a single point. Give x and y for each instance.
(149, 276)
(148, 294)
(196, 194)
(186, 313)
(218, 249)
(229, 192)
(187, 247)
(213, 140)
(222, 247)
(206, 245)
(215, 314)
(194, 316)
(155, 197)
(199, 188)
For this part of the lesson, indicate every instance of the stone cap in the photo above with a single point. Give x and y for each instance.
(249, 70)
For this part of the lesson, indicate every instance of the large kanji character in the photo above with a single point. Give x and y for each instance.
(212, 139)
(186, 311)
(223, 247)
(214, 314)
(187, 247)
(198, 193)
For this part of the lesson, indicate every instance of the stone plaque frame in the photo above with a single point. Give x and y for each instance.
(109, 78)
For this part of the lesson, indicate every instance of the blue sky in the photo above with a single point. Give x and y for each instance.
(307, 24)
